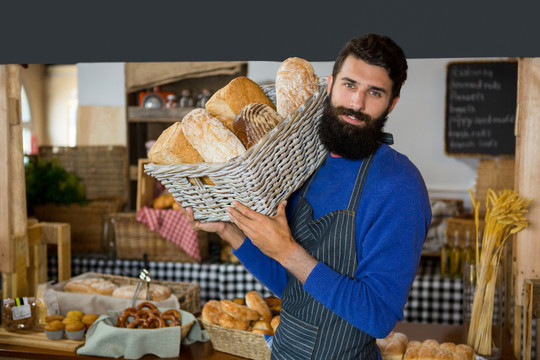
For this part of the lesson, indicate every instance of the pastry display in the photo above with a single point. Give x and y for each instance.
(253, 314)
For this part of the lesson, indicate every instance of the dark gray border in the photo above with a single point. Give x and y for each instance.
(197, 30)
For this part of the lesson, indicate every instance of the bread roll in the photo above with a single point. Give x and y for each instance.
(240, 312)
(393, 346)
(171, 147)
(211, 312)
(275, 322)
(255, 301)
(296, 81)
(227, 102)
(157, 292)
(91, 286)
(230, 322)
(262, 327)
(210, 137)
(253, 122)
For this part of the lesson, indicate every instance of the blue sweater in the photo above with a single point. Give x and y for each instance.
(392, 221)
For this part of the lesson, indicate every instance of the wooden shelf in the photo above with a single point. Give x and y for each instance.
(139, 114)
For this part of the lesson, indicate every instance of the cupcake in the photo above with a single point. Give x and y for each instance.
(75, 330)
(75, 314)
(54, 330)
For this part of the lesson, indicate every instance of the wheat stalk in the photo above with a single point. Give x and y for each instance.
(504, 217)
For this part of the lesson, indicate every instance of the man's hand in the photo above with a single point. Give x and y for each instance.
(226, 230)
(272, 235)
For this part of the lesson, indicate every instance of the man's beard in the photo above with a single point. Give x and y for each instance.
(348, 140)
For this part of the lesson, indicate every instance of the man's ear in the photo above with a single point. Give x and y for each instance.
(329, 84)
(394, 102)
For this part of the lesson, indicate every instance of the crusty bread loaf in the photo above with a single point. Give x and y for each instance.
(227, 102)
(296, 81)
(253, 122)
(91, 286)
(210, 137)
(171, 147)
(230, 322)
(157, 292)
(393, 346)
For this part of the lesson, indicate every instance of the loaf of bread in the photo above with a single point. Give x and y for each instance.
(241, 312)
(227, 102)
(212, 139)
(91, 286)
(296, 82)
(172, 148)
(157, 292)
(253, 122)
(393, 346)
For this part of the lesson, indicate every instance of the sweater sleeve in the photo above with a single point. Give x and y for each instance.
(268, 271)
(389, 238)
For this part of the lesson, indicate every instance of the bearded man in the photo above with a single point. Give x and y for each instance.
(342, 251)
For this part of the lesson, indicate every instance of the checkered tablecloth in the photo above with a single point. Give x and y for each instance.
(432, 299)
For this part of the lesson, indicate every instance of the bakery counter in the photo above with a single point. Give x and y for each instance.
(204, 351)
(433, 298)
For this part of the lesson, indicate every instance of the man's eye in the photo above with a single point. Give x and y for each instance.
(349, 85)
(375, 93)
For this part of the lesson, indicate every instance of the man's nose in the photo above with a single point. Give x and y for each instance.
(358, 101)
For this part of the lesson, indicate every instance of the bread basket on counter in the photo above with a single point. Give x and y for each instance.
(266, 174)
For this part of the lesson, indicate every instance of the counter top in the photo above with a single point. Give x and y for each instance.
(204, 351)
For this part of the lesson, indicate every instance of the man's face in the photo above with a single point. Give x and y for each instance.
(356, 109)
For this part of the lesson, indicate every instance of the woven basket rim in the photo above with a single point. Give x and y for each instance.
(291, 142)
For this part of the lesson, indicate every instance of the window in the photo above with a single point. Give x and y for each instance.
(26, 118)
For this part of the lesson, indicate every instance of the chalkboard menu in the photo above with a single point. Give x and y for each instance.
(481, 100)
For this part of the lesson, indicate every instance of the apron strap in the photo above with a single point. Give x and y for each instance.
(359, 184)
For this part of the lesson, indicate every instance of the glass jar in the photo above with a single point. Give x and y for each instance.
(171, 101)
(186, 100)
(19, 313)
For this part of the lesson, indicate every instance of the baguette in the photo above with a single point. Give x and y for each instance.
(172, 148)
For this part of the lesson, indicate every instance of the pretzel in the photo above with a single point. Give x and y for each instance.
(137, 323)
(123, 319)
(146, 305)
(153, 322)
(170, 320)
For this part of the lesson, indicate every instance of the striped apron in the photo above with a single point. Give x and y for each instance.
(309, 330)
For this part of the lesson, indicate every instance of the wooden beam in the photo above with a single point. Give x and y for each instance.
(6, 245)
(527, 176)
(60, 234)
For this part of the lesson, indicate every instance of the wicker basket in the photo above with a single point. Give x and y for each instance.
(133, 239)
(189, 294)
(237, 342)
(87, 222)
(262, 177)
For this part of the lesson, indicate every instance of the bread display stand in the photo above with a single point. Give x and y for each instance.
(262, 177)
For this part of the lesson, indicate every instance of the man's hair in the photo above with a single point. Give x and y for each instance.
(377, 50)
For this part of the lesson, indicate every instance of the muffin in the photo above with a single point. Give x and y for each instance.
(51, 318)
(75, 313)
(89, 319)
(54, 330)
(75, 330)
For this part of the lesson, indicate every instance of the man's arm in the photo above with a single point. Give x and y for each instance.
(272, 235)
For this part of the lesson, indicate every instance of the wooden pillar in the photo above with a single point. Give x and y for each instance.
(14, 255)
(526, 246)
